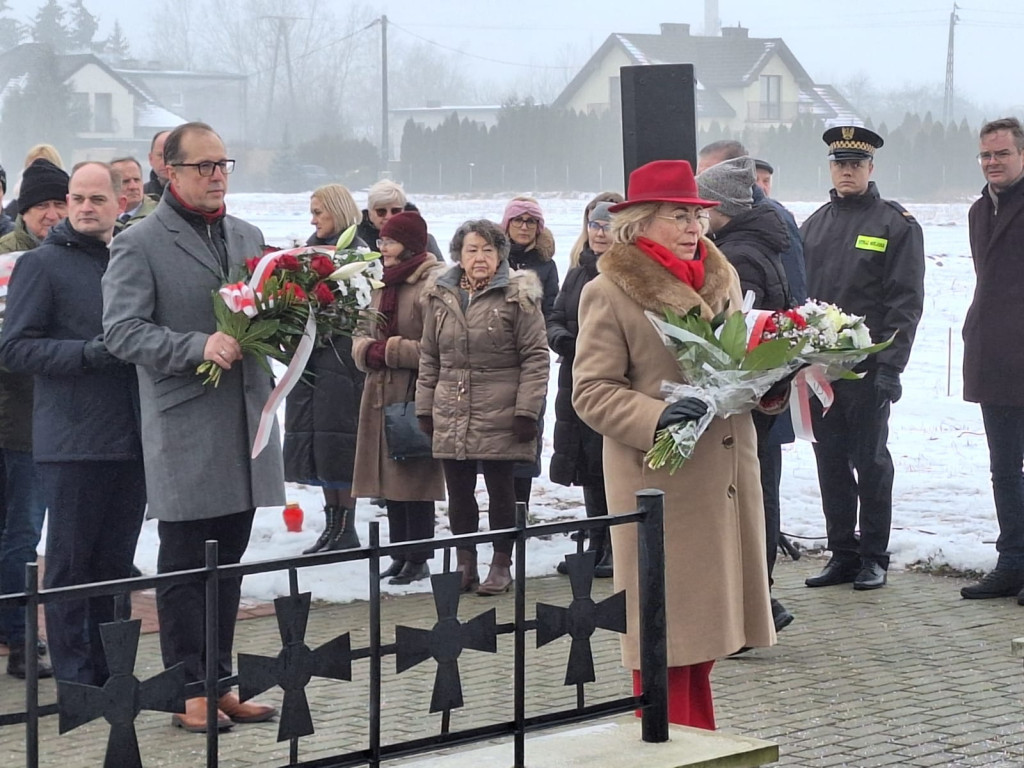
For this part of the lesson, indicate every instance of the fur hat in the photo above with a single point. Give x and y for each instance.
(407, 228)
(729, 183)
(662, 181)
(523, 207)
(40, 182)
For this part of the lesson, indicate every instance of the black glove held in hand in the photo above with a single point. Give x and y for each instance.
(887, 386)
(96, 356)
(525, 428)
(687, 409)
(426, 425)
(563, 344)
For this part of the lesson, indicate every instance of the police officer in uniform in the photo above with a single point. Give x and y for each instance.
(866, 255)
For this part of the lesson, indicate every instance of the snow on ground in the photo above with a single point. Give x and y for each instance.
(943, 512)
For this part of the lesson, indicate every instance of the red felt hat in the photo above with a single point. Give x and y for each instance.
(663, 181)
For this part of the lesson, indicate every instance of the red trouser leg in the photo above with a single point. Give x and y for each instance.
(689, 695)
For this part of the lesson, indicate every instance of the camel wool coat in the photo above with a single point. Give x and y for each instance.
(376, 474)
(716, 574)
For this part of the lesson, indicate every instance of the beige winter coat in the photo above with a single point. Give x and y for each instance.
(716, 574)
(483, 365)
(376, 475)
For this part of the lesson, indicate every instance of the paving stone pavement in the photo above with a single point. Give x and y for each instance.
(909, 675)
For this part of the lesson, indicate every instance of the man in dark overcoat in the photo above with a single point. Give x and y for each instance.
(196, 439)
(993, 354)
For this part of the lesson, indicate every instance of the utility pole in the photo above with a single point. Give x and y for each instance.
(282, 33)
(948, 97)
(384, 138)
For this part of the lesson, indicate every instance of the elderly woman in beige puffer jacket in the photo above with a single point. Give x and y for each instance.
(482, 383)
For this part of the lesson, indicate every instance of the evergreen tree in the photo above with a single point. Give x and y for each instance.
(12, 32)
(117, 44)
(83, 26)
(49, 27)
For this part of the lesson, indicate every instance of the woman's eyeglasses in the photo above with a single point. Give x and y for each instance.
(386, 241)
(382, 212)
(523, 222)
(685, 219)
(598, 226)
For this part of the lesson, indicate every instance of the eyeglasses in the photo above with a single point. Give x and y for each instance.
(685, 219)
(1001, 155)
(206, 167)
(386, 241)
(524, 222)
(598, 226)
(382, 212)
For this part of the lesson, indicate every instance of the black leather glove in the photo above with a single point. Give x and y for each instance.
(525, 428)
(96, 356)
(563, 344)
(887, 386)
(686, 409)
(426, 425)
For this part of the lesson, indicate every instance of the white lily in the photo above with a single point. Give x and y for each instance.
(348, 271)
(346, 238)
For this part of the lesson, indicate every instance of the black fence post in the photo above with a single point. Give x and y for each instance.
(32, 665)
(519, 671)
(212, 650)
(653, 640)
(375, 661)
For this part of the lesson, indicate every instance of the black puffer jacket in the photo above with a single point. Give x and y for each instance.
(540, 259)
(577, 456)
(321, 417)
(753, 243)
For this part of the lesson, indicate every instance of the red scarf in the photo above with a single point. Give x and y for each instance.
(394, 277)
(690, 271)
(209, 218)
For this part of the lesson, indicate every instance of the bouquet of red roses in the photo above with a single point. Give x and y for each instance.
(313, 293)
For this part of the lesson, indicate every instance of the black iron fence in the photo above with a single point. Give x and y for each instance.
(124, 696)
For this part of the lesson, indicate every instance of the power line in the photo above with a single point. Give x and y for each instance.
(474, 56)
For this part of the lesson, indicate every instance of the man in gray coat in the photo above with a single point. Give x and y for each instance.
(196, 439)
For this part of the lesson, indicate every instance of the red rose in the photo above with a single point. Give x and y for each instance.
(288, 262)
(797, 318)
(250, 264)
(322, 265)
(323, 294)
(294, 291)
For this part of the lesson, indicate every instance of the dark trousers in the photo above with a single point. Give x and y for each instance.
(854, 465)
(411, 521)
(1004, 430)
(182, 607)
(463, 511)
(769, 457)
(96, 510)
(24, 509)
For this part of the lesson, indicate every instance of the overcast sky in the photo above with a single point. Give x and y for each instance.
(891, 42)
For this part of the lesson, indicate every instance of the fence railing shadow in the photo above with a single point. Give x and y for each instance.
(124, 696)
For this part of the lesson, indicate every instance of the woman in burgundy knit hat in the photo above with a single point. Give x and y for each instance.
(389, 352)
(715, 574)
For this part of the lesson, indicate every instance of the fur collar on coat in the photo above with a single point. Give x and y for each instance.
(520, 286)
(654, 288)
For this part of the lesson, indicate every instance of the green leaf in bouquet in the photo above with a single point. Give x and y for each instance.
(849, 375)
(879, 346)
(260, 330)
(718, 320)
(770, 354)
(734, 336)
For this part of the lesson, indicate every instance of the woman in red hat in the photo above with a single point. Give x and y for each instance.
(716, 578)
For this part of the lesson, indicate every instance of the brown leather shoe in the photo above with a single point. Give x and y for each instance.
(194, 719)
(499, 576)
(467, 567)
(247, 712)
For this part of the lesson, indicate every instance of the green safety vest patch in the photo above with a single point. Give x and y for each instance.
(867, 243)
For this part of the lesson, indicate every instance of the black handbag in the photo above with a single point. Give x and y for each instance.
(402, 431)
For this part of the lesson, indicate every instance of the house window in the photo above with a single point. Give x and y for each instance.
(771, 97)
(81, 116)
(103, 113)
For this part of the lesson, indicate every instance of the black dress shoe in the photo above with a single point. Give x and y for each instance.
(1002, 582)
(411, 572)
(834, 572)
(870, 576)
(782, 617)
(16, 666)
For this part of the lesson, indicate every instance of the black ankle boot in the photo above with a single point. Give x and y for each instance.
(330, 530)
(345, 536)
(411, 572)
(394, 569)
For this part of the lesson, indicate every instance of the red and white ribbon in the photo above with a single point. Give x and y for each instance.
(806, 381)
(240, 298)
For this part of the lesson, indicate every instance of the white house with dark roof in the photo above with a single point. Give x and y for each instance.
(743, 82)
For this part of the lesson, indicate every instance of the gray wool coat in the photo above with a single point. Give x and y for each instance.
(158, 314)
